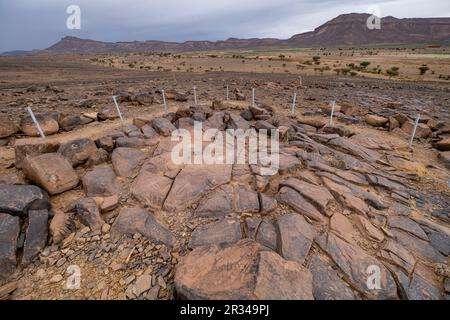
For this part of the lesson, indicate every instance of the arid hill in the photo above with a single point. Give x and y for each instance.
(347, 29)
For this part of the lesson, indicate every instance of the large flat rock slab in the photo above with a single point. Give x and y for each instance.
(193, 182)
(240, 272)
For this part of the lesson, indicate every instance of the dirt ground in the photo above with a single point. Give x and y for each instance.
(65, 83)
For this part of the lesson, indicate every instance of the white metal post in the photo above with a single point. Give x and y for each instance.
(293, 103)
(333, 103)
(253, 96)
(164, 100)
(118, 109)
(36, 123)
(195, 95)
(416, 123)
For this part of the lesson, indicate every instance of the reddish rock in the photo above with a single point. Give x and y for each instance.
(7, 128)
(51, 171)
(193, 182)
(126, 160)
(100, 182)
(151, 189)
(316, 194)
(297, 202)
(216, 204)
(137, 220)
(47, 123)
(163, 126)
(296, 237)
(422, 131)
(327, 285)
(376, 121)
(32, 149)
(354, 263)
(220, 232)
(240, 272)
(443, 145)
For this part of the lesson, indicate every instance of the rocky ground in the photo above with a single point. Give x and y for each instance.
(104, 200)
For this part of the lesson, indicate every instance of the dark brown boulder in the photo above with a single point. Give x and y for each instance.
(9, 232)
(35, 235)
(78, 151)
(18, 199)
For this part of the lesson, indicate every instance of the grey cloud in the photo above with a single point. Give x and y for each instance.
(28, 24)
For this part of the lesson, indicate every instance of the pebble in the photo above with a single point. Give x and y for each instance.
(56, 278)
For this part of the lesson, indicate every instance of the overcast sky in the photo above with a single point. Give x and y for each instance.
(37, 24)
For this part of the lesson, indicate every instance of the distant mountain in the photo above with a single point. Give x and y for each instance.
(344, 30)
(14, 53)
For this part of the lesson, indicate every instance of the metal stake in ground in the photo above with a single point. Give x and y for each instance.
(118, 109)
(253, 97)
(195, 95)
(293, 103)
(333, 104)
(416, 123)
(301, 81)
(36, 123)
(164, 100)
(228, 93)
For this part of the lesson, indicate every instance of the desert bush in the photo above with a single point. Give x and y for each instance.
(423, 69)
(393, 72)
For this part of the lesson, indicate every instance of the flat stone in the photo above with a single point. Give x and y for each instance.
(367, 228)
(438, 234)
(35, 235)
(100, 182)
(263, 232)
(151, 189)
(296, 237)
(320, 196)
(288, 163)
(220, 232)
(18, 199)
(193, 182)
(240, 271)
(297, 202)
(217, 204)
(327, 285)
(424, 284)
(354, 263)
(408, 225)
(126, 160)
(9, 232)
(267, 203)
(51, 171)
(246, 200)
(135, 220)
(22, 150)
(343, 227)
(354, 149)
(395, 253)
(143, 284)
